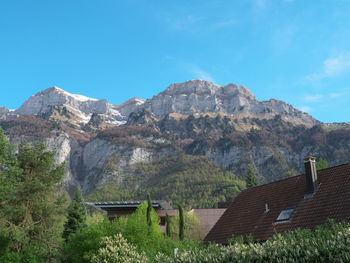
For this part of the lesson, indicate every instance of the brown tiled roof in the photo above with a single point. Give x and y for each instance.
(246, 214)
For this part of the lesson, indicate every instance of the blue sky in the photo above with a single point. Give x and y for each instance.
(293, 50)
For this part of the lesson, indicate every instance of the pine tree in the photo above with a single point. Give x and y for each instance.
(32, 209)
(321, 164)
(181, 222)
(167, 229)
(76, 219)
(149, 208)
(251, 180)
(9, 174)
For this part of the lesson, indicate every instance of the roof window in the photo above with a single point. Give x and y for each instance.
(285, 214)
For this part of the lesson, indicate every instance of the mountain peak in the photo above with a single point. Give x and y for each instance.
(54, 96)
(191, 97)
(196, 86)
(201, 96)
(60, 92)
(206, 88)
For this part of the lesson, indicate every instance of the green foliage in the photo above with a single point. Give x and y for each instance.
(149, 209)
(192, 181)
(9, 180)
(168, 225)
(31, 208)
(191, 225)
(76, 219)
(321, 164)
(328, 243)
(116, 249)
(181, 223)
(138, 232)
(81, 246)
(251, 180)
(95, 218)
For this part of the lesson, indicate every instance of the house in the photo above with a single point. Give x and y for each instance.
(207, 217)
(125, 208)
(303, 201)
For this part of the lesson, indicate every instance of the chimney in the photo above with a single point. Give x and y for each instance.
(311, 176)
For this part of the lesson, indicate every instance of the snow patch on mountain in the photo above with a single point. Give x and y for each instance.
(75, 96)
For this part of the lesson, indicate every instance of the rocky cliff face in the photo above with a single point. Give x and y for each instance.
(41, 102)
(200, 96)
(105, 144)
(80, 107)
(191, 97)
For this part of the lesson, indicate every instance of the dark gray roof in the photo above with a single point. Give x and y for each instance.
(130, 204)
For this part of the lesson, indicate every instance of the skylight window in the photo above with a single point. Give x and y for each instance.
(285, 214)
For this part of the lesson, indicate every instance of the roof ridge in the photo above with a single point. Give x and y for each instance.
(285, 179)
(332, 167)
(343, 164)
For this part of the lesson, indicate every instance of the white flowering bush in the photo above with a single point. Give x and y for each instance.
(117, 250)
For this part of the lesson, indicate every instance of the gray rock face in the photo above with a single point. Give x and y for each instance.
(191, 97)
(131, 105)
(41, 101)
(80, 106)
(3, 110)
(62, 143)
(104, 160)
(200, 96)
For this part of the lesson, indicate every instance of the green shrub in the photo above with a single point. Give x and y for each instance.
(328, 243)
(84, 244)
(138, 232)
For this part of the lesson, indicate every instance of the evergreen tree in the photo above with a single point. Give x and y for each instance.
(181, 222)
(321, 164)
(31, 208)
(9, 179)
(167, 229)
(149, 209)
(9, 175)
(76, 219)
(251, 180)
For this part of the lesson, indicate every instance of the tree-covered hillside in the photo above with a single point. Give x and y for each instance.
(190, 180)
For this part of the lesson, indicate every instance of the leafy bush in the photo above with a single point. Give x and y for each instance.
(329, 243)
(138, 232)
(84, 244)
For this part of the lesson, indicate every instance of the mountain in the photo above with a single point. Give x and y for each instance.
(200, 96)
(191, 97)
(78, 106)
(190, 143)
